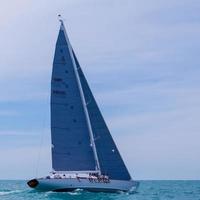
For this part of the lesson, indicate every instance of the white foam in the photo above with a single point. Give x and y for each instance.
(3, 193)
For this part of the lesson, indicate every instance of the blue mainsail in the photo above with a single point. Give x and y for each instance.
(109, 157)
(71, 148)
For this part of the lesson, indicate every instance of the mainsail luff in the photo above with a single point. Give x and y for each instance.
(83, 100)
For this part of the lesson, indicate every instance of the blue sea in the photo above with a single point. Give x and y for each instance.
(148, 190)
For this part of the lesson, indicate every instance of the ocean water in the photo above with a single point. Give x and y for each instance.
(148, 190)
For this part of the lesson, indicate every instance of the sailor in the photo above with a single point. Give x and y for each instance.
(78, 178)
(89, 178)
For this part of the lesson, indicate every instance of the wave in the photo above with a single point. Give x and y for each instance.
(7, 192)
(75, 192)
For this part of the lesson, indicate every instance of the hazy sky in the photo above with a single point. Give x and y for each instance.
(142, 61)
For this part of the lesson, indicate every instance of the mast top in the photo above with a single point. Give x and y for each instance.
(60, 18)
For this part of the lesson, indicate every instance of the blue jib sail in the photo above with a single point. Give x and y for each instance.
(109, 157)
(71, 148)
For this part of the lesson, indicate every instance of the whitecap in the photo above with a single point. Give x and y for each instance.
(3, 193)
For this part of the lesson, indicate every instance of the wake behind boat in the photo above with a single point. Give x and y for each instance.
(84, 155)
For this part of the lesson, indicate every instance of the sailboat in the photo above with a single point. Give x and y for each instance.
(84, 155)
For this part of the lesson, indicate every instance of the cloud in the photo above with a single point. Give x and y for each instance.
(8, 113)
(24, 133)
(30, 148)
(158, 155)
(141, 60)
(34, 162)
(155, 144)
(19, 96)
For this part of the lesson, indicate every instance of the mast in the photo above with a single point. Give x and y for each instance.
(83, 99)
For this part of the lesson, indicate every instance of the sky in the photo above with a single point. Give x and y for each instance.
(141, 59)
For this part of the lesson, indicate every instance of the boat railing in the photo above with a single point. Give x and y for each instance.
(91, 177)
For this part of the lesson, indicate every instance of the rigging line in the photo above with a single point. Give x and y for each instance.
(41, 142)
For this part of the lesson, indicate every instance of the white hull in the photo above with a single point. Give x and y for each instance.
(64, 185)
